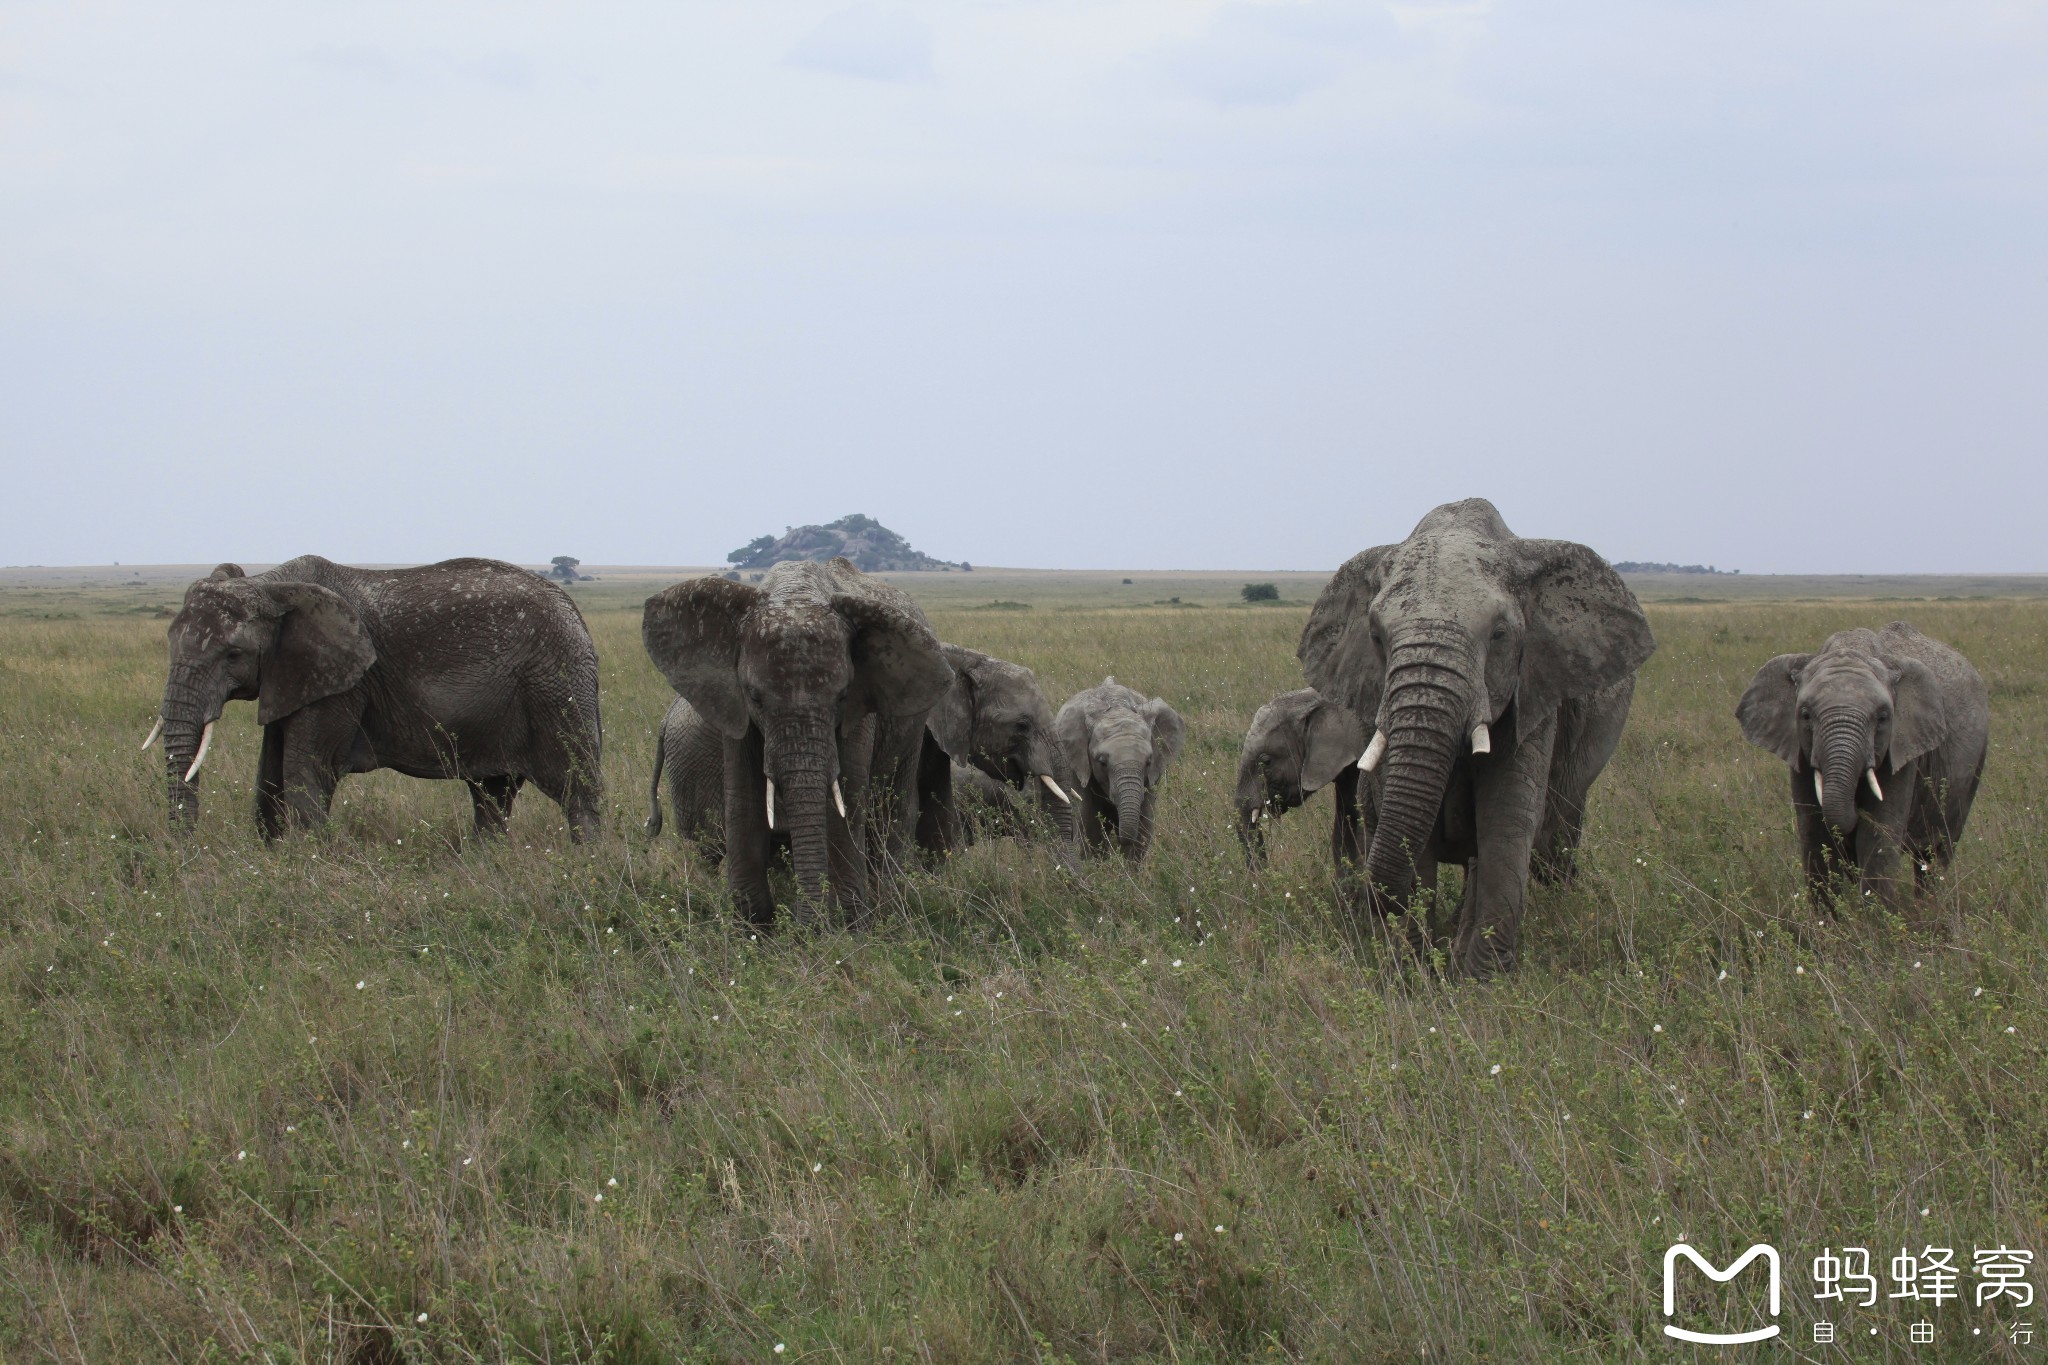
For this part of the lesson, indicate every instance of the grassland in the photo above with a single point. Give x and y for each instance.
(363, 1096)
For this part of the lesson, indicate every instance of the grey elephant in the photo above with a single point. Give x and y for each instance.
(1496, 675)
(995, 721)
(470, 668)
(818, 681)
(690, 756)
(1885, 732)
(1298, 743)
(1117, 746)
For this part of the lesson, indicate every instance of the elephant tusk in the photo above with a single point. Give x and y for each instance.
(1482, 739)
(771, 803)
(1870, 775)
(1054, 788)
(205, 743)
(837, 799)
(1820, 792)
(154, 731)
(1374, 751)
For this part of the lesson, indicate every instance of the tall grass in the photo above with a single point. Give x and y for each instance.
(364, 1096)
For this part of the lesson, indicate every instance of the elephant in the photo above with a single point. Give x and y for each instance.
(1117, 746)
(818, 680)
(1496, 675)
(1298, 743)
(690, 754)
(995, 721)
(470, 668)
(1885, 732)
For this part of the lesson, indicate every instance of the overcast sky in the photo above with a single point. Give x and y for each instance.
(1063, 283)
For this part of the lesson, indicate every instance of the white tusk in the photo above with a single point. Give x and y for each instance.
(205, 743)
(1054, 788)
(1482, 740)
(1374, 751)
(837, 799)
(1870, 775)
(771, 803)
(154, 731)
(1820, 793)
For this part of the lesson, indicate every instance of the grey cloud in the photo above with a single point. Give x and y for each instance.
(870, 42)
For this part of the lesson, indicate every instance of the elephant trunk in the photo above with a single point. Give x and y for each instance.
(185, 717)
(1130, 805)
(1251, 833)
(1427, 703)
(800, 763)
(1841, 752)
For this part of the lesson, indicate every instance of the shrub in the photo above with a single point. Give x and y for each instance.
(1261, 592)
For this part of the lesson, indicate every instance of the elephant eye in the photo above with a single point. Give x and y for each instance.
(1500, 632)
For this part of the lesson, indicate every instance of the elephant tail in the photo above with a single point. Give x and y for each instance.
(654, 787)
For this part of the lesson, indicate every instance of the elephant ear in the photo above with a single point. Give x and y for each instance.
(321, 648)
(1336, 651)
(1070, 733)
(1769, 709)
(951, 721)
(1585, 629)
(901, 667)
(692, 632)
(1168, 734)
(1919, 717)
(1332, 742)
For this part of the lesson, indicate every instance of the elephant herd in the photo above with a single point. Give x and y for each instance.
(1466, 687)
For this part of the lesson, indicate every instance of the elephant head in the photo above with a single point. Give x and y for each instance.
(994, 718)
(281, 645)
(1119, 744)
(1298, 743)
(1436, 640)
(1845, 713)
(803, 659)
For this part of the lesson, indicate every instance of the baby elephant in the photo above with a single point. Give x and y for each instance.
(1117, 746)
(1299, 742)
(691, 756)
(1886, 732)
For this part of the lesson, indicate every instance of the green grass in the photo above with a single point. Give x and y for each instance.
(275, 1103)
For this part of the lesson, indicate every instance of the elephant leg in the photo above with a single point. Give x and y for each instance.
(271, 813)
(312, 766)
(939, 829)
(1098, 822)
(1877, 860)
(746, 829)
(1509, 790)
(491, 797)
(1588, 733)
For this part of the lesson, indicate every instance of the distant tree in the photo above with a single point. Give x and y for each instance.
(565, 568)
(1261, 592)
(750, 549)
(965, 567)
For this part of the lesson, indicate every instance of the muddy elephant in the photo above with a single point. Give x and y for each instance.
(470, 668)
(818, 680)
(1496, 674)
(1117, 746)
(995, 721)
(1298, 743)
(1885, 733)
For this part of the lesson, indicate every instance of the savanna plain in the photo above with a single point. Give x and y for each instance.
(387, 1093)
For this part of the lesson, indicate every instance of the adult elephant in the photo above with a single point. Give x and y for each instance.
(1298, 743)
(818, 679)
(995, 721)
(1885, 732)
(1496, 673)
(470, 668)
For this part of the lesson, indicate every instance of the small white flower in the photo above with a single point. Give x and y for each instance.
(1567, 1117)
(949, 999)
(780, 1348)
(291, 1128)
(1799, 971)
(1493, 1070)
(1723, 976)
(1178, 1235)
(2010, 1029)
(239, 1156)
(1144, 961)
(1176, 962)
(1974, 994)
(1807, 1115)
(1219, 1227)
(177, 1208)
(1916, 966)
(597, 1198)
(361, 984)
(612, 1184)
(817, 1166)
(1923, 1213)
(466, 1160)
(421, 1318)
(1656, 1028)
